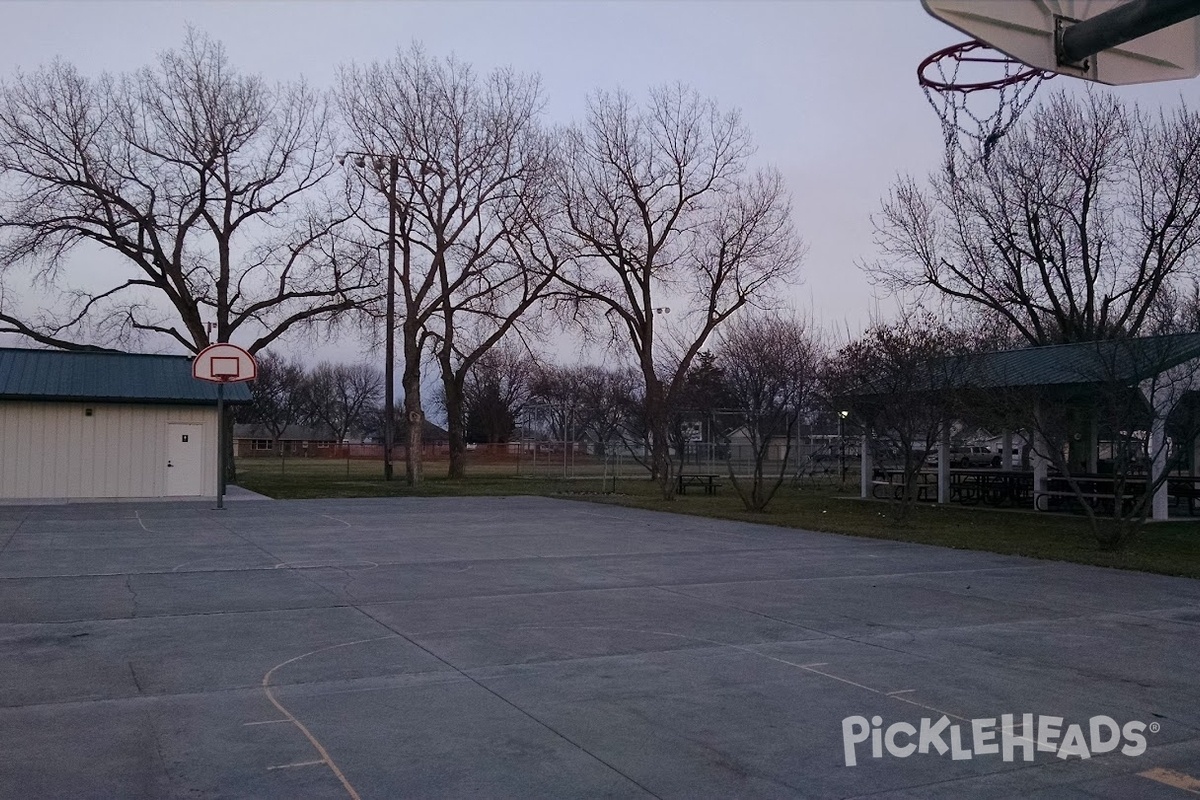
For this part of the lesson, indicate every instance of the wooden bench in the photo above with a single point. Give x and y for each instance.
(706, 480)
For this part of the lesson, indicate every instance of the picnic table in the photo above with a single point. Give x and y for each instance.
(706, 480)
(1099, 491)
(992, 486)
(888, 484)
(968, 486)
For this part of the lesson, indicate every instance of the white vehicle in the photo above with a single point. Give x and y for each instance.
(970, 456)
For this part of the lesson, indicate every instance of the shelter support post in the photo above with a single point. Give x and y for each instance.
(1038, 459)
(1158, 466)
(1195, 462)
(1161, 392)
(1006, 456)
(1093, 463)
(943, 476)
(865, 469)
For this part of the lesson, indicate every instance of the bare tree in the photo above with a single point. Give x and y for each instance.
(1084, 216)
(470, 166)
(278, 396)
(610, 409)
(556, 395)
(896, 378)
(201, 185)
(589, 400)
(495, 393)
(202, 182)
(701, 398)
(770, 366)
(674, 235)
(343, 396)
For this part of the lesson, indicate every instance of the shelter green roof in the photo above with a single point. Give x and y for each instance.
(106, 376)
(1123, 361)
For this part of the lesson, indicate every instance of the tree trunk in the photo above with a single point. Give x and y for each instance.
(414, 415)
(660, 442)
(663, 465)
(458, 445)
(1079, 440)
(230, 465)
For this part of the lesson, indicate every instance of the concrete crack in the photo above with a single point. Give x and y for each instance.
(133, 674)
(133, 595)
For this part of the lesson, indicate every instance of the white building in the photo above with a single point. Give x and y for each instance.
(91, 424)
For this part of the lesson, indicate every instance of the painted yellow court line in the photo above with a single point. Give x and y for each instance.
(1176, 780)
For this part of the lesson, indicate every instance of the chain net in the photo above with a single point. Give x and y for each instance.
(977, 107)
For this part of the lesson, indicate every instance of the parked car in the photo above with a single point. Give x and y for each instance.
(970, 456)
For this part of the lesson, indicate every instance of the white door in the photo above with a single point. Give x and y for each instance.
(185, 459)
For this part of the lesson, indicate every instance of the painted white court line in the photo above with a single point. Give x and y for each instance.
(325, 759)
(346, 565)
(297, 764)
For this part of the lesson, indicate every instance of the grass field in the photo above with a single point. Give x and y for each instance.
(1171, 548)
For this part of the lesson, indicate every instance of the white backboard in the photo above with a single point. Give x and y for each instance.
(224, 363)
(1025, 30)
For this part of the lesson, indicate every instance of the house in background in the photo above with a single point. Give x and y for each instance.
(100, 424)
(740, 446)
(314, 441)
(304, 441)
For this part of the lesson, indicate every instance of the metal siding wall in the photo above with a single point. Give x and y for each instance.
(35, 441)
(121, 462)
(105, 442)
(8, 450)
(53, 450)
(145, 455)
(73, 427)
(110, 444)
(209, 419)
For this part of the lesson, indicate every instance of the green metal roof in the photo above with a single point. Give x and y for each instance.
(1112, 362)
(1124, 361)
(106, 377)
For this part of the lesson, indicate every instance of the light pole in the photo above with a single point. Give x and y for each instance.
(389, 364)
(842, 441)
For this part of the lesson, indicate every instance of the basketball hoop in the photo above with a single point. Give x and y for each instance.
(224, 363)
(985, 121)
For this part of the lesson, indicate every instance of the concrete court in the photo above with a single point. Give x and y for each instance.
(530, 647)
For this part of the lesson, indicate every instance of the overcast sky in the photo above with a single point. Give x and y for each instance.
(827, 86)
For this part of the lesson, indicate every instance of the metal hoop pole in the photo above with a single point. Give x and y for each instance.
(1121, 24)
(221, 445)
